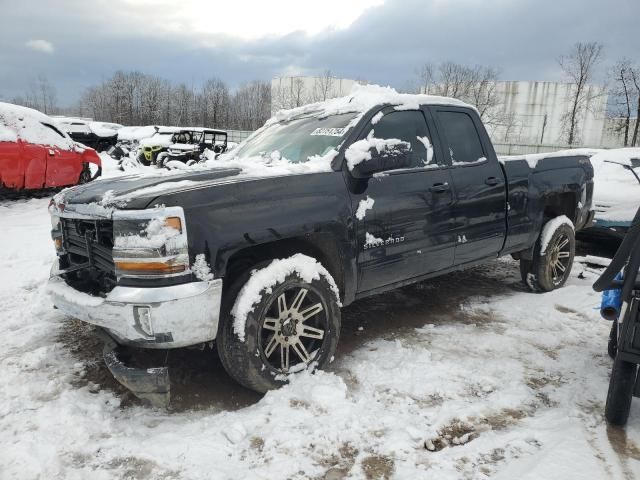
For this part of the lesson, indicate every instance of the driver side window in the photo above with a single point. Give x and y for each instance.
(409, 126)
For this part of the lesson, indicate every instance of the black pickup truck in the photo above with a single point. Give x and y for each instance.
(324, 205)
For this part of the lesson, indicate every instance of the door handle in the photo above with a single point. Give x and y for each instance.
(439, 187)
(492, 181)
(51, 153)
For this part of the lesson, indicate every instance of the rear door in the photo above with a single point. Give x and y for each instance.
(404, 216)
(34, 160)
(480, 206)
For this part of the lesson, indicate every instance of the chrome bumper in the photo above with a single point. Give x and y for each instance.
(178, 315)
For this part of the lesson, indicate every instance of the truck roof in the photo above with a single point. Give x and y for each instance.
(362, 99)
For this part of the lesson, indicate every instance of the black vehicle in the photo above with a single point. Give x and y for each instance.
(200, 140)
(377, 196)
(100, 136)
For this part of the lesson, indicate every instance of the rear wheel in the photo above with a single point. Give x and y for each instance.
(550, 269)
(293, 326)
(142, 159)
(621, 383)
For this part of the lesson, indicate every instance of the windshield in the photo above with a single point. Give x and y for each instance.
(298, 140)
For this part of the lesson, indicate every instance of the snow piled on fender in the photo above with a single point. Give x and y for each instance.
(31, 126)
(263, 280)
(550, 228)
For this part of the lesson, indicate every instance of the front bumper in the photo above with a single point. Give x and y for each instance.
(179, 315)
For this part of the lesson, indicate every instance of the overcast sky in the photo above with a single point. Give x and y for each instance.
(77, 43)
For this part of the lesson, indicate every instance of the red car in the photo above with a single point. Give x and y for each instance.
(35, 153)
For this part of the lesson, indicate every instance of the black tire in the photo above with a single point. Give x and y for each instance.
(142, 159)
(550, 270)
(612, 345)
(620, 394)
(247, 361)
(85, 175)
(161, 159)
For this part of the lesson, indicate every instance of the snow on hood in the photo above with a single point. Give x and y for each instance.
(31, 126)
(616, 194)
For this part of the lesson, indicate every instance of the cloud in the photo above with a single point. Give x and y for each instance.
(385, 44)
(43, 46)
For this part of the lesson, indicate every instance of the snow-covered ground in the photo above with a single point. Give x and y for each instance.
(467, 376)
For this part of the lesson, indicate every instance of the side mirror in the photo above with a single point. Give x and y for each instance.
(391, 158)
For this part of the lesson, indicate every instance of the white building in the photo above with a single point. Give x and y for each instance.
(290, 92)
(539, 111)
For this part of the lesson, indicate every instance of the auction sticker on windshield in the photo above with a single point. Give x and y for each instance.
(329, 132)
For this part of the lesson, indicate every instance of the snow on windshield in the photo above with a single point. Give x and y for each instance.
(298, 140)
(31, 126)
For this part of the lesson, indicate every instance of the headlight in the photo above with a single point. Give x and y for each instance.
(148, 243)
(56, 232)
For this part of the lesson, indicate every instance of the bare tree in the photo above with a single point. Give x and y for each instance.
(622, 94)
(323, 87)
(476, 85)
(635, 78)
(579, 67)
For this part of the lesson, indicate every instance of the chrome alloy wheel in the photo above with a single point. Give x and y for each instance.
(293, 329)
(560, 256)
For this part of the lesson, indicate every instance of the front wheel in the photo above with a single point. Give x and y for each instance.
(552, 257)
(293, 325)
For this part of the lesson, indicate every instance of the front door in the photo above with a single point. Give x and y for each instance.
(403, 217)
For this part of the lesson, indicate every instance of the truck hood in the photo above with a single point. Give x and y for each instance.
(138, 191)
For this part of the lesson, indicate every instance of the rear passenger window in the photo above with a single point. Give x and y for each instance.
(409, 126)
(461, 138)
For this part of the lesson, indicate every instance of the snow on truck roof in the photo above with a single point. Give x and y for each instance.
(364, 97)
(31, 126)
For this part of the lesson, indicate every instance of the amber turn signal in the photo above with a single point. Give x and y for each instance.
(174, 222)
(149, 267)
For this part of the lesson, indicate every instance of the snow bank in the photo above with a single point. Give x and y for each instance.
(364, 205)
(31, 126)
(549, 229)
(263, 280)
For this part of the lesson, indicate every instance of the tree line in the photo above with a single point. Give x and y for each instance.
(136, 98)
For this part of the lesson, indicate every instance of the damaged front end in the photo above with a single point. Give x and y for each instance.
(129, 274)
(151, 385)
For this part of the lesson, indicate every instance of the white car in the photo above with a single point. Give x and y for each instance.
(616, 195)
